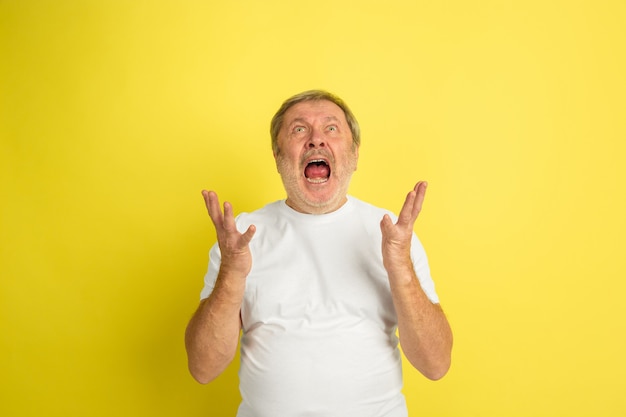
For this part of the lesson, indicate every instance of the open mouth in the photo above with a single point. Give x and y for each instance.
(317, 171)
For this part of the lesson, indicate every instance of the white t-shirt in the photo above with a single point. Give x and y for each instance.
(319, 325)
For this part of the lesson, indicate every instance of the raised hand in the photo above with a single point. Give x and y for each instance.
(396, 243)
(234, 246)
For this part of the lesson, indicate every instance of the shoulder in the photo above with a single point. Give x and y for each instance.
(367, 210)
(267, 214)
(369, 216)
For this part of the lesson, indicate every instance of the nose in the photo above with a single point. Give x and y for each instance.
(316, 139)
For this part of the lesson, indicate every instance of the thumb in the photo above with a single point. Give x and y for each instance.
(247, 236)
(386, 223)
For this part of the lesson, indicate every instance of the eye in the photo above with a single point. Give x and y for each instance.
(299, 129)
(332, 128)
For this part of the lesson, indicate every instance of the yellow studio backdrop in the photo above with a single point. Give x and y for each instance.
(114, 115)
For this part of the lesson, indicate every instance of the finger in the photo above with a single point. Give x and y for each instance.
(205, 195)
(420, 190)
(386, 223)
(229, 217)
(412, 204)
(213, 207)
(407, 216)
(247, 236)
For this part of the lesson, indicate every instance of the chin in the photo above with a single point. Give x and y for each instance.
(307, 197)
(322, 205)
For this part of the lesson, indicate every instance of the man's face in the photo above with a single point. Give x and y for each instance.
(316, 156)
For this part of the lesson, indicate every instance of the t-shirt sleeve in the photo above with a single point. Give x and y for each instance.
(210, 277)
(422, 269)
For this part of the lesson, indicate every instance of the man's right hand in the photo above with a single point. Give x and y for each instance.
(212, 334)
(234, 246)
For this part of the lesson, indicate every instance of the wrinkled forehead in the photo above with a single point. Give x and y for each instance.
(312, 110)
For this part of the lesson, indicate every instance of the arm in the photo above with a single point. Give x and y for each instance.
(425, 335)
(212, 334)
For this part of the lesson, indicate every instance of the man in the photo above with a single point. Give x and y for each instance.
(318, 284)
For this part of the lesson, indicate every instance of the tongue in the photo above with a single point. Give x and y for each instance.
(316, 171)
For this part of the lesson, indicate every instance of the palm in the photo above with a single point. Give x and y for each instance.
(396, 238)
(234, 246)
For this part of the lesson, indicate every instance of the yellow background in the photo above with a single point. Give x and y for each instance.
(115, 114)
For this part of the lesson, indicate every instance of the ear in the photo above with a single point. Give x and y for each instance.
(276, 160)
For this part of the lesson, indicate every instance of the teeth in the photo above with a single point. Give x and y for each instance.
(317, 181)
(316, 161)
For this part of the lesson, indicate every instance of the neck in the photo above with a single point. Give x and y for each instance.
(321, 208)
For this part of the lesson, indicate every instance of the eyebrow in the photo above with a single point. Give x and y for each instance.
(303, 120)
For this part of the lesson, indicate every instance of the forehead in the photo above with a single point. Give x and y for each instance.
(314, 109)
